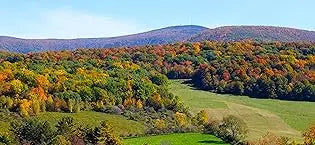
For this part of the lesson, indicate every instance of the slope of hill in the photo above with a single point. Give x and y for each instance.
(160, 36)
(264, 33)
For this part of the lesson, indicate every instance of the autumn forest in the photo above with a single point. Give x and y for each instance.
(133, 82)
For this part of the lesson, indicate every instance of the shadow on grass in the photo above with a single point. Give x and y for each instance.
(211, 142)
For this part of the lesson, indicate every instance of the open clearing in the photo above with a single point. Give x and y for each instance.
(286, 118)
(176, 139)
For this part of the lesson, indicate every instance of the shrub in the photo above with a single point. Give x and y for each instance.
(180, 119)
(32, 131)
(159, 79)
(9, 103)
(50, 104)
(202, 117)
(107, 135)
(271, 139)
(70, 104)
(35, 107)
(103, 134)
(91, 135)
(60, 140)
(309, 136)
(77, 107)
(43, 106)
(212, 127)
(3, 102)
(66, 126)
(232, 130)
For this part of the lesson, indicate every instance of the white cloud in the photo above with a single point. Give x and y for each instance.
(64, 23)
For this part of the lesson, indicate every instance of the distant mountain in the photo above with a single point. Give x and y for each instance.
(160, 36)
(264, 33)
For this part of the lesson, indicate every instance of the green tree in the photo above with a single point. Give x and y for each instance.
(32, 131)
(9, 103)
(77, 107)
(236, 87)
(232, 130)
(43, 106)
(66, 126)
(202, 117)
(107, 135)
(92, 135)
(159, 79)
(3, 101)
(70, 104)
(16, 86)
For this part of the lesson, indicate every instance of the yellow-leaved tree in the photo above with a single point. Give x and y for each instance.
(196, 47)
(180, 119)
(24, 107)
(202, 117)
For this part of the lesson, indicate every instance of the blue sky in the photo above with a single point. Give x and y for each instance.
(105, 18)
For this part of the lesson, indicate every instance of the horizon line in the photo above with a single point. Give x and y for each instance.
(155, 29)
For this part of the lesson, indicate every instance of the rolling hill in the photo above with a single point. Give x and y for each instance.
(262, 33)
(160, 36)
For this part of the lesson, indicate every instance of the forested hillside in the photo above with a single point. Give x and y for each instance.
(133, 82)
(168, 35)
(260, 33)
(265, 70)
(159, 36)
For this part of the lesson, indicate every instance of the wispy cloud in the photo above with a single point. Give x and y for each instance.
(66, 23)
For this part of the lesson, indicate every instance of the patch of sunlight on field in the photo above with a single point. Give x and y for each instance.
(176, 139)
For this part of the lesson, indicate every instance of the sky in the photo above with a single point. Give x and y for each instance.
(107, 18)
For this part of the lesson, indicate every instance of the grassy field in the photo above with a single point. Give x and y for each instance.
(119, 123)
(287, 118)
(176, 139)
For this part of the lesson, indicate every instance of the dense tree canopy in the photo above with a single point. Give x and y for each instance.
(69, 81)
(135, 76)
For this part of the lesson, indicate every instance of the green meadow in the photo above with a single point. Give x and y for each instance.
(176, 139)
(285, 118)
